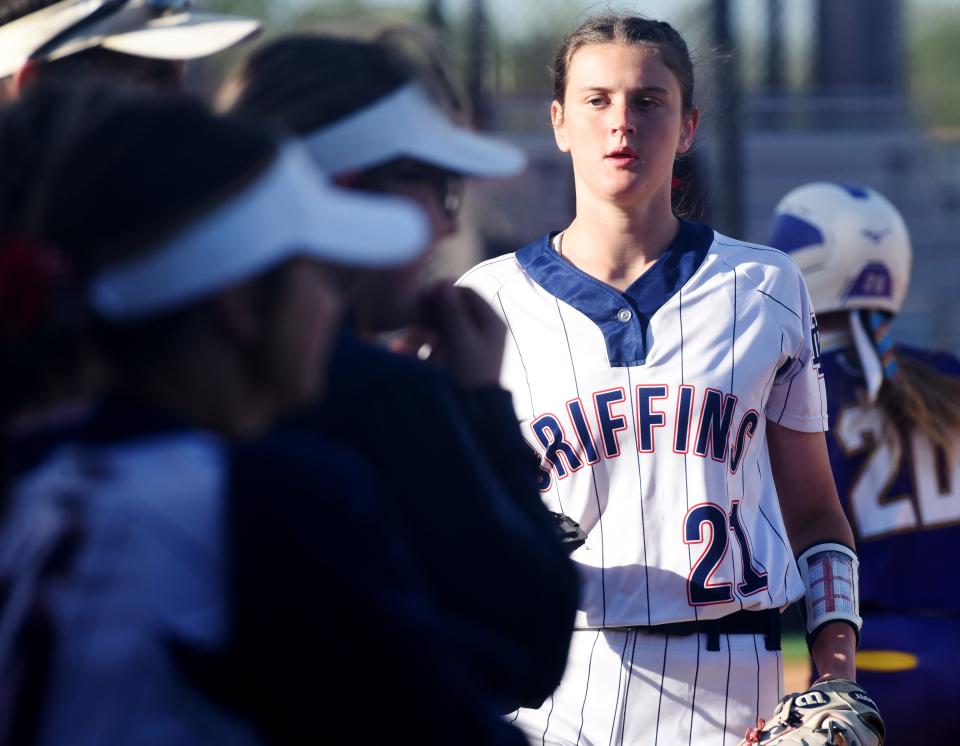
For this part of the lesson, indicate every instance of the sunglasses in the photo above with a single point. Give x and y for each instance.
(448, 186)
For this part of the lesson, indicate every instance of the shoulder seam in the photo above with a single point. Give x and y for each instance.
(487, 263)
(748, 245)
(495, 290)
(733, 243)
(756, 288)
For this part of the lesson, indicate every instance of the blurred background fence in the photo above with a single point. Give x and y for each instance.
(856, 91)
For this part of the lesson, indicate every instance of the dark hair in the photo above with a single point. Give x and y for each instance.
(96, 62)
(99, 174)
(305, 81)
(922, 398)
(914, 395)
(627, 29)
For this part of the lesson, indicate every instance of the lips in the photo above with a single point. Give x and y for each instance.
(622, 155)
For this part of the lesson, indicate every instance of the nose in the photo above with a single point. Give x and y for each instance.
(622, 119)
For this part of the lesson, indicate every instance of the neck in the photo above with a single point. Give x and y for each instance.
(617, 244)
(230, 405)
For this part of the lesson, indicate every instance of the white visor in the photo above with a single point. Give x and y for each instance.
(407, 124)
(139, 28)
(289, 211)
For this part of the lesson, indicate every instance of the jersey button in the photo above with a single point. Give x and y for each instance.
(624, 314)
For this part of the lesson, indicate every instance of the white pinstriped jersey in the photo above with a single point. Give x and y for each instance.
(649, 409)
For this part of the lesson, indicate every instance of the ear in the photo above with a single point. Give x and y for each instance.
(688, 130)
(24, 77)
(559, 128)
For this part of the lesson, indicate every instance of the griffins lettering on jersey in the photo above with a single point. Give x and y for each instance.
(649, 410)
(703, 426)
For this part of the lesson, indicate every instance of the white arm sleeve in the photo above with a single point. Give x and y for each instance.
(798, 399)
(831, 581)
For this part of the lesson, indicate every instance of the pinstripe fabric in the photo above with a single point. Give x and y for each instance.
(733, 370)
(723, 340)
(693, 699)
(643, 689)
(643, 527)
(626, 696)
(623, 673)
(726, 702)
(736, 327)
(686, 474)
(593, 476)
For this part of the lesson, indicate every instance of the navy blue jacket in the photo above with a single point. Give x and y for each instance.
(464, 485)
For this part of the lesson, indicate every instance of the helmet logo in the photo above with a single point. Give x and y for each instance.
(856, 192)
(790, 233)
(876, 236)
(873, 282)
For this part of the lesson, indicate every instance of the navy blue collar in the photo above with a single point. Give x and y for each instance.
(622, 317)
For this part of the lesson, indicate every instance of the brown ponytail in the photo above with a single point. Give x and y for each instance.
(922, 398)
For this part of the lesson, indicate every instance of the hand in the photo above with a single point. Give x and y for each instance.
(463, 332)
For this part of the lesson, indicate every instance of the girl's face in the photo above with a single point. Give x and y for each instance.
(622, 122)
(388, 299)
(300, 337)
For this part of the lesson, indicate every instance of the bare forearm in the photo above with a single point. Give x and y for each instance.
(813, 515)
(834, 651)
(808, 496)
(805, 529)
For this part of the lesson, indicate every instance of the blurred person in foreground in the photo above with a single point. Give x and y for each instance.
(172, 570)
(141, 43)
(894, 444)
(445, 435)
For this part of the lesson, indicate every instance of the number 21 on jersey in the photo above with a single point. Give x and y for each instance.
(708, 524)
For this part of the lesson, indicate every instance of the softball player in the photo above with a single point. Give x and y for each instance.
(670, 380)
(893, 446)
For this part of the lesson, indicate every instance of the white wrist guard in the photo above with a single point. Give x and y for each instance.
(830, 575)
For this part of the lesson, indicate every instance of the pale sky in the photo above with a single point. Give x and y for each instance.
(751, 14)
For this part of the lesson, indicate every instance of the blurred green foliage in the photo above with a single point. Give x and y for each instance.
(934, 67)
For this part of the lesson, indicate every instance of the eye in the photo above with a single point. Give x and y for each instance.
(596, 101)
(646, 102)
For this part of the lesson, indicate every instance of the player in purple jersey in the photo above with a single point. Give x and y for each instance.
(894, 445)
